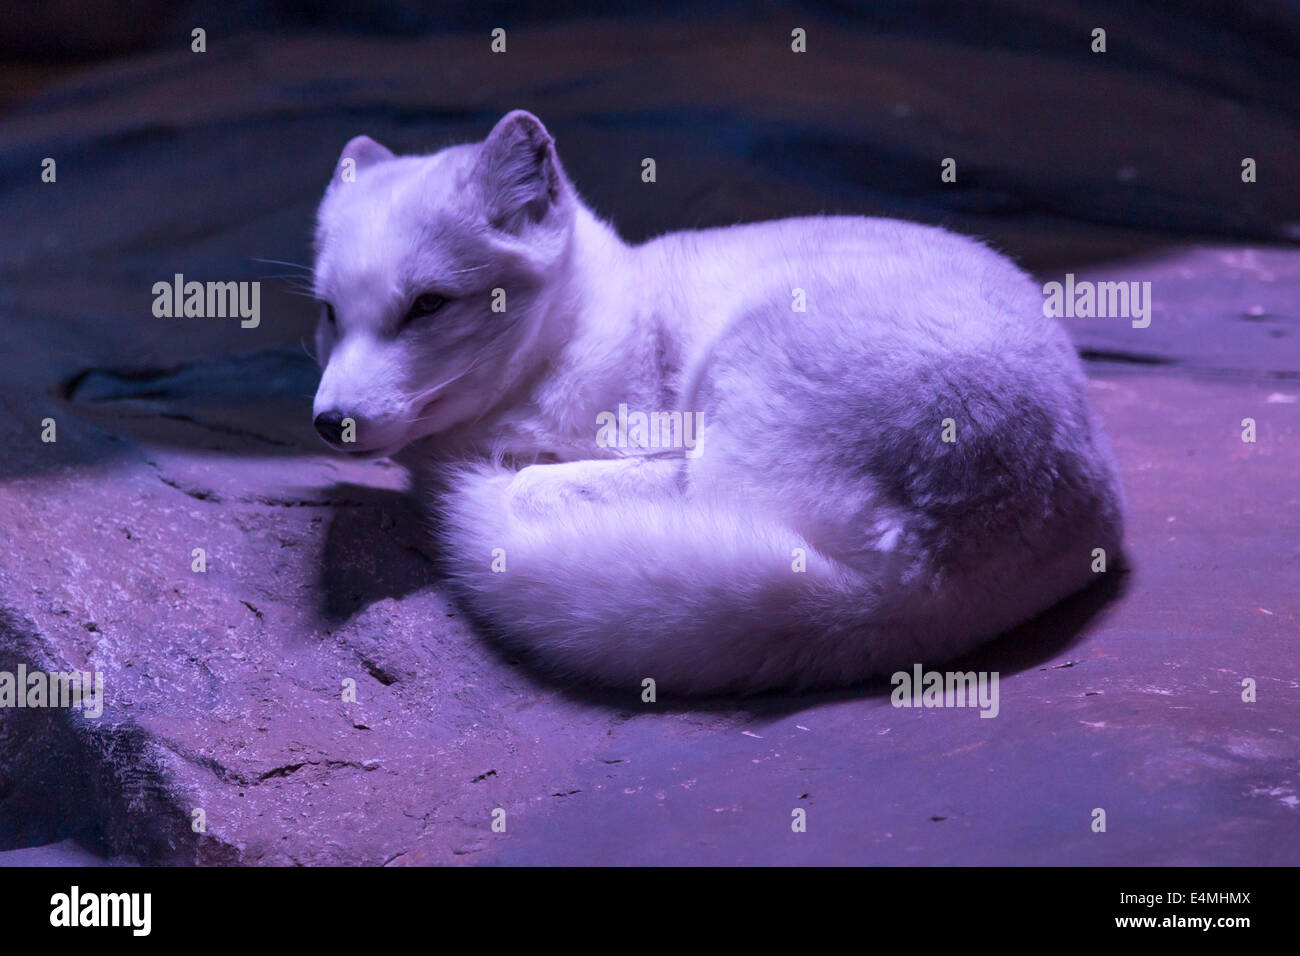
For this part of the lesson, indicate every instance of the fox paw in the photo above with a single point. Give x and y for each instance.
(547, 489)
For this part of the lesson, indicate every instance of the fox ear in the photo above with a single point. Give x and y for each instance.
(518, 172)
(361, 151)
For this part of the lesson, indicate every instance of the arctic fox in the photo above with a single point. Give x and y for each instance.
(892, 457)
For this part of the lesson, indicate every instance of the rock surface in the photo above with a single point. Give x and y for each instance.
(224, 687)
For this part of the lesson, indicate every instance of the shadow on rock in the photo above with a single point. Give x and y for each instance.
(376, 547)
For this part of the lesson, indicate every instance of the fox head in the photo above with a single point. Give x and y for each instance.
(435, 275)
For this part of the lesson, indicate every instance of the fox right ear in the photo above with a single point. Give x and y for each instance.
(360, 152)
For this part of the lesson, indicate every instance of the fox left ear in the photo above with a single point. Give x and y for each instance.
(360, 152)
(518, 172)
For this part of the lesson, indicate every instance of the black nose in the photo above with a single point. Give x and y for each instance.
(330, 426)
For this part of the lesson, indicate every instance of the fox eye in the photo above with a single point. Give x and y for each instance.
(327, 313)
(426, 304)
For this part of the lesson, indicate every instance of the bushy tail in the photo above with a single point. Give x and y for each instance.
(696, 595)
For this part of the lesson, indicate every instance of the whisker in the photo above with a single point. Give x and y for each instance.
(428, 393)
(282, 262)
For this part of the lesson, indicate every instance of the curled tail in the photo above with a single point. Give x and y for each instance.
(703, 597)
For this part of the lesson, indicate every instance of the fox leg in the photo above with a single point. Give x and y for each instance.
(543, 489)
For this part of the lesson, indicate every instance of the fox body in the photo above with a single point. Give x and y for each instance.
(892, 456)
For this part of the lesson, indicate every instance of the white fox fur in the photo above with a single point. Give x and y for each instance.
(822, 532)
